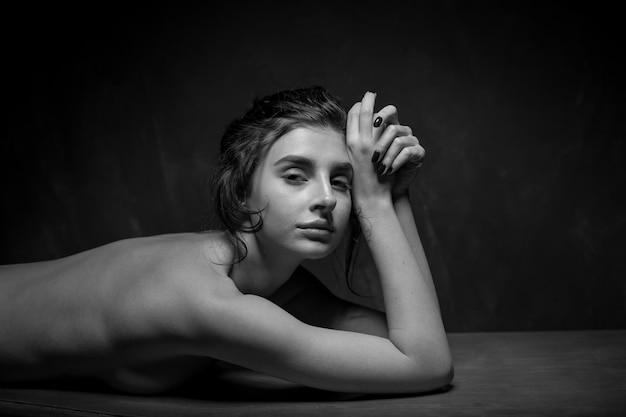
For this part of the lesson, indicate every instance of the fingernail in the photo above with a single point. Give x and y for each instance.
(381, 169)
(375, 156)
(378, 121)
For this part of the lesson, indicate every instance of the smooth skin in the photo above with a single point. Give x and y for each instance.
(145, 314)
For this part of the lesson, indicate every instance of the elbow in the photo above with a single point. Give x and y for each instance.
(444, 374)
(437, 374)
(430, 369)
(428, 378)
(443, 369)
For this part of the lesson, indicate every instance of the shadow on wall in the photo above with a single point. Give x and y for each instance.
(115, 118)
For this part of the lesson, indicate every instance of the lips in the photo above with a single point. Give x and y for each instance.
(317, 225)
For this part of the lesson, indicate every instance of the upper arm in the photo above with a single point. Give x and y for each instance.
(253, 332)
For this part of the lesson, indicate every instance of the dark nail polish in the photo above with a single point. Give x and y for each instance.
(378, 121)
(381, 168)
(375, 156)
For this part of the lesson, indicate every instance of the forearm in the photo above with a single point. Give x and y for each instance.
(413, 317)
(402, 206)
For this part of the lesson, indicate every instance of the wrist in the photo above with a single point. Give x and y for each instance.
(373, 207)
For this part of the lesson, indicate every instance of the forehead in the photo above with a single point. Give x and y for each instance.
(315, 143)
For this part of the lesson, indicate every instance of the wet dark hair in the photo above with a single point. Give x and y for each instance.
(248, 138)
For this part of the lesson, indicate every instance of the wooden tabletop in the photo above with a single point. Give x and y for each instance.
(569, 373)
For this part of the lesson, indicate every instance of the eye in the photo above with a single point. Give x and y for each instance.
(341, 184)
(294, 177)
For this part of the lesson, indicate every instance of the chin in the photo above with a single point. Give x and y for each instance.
(317, 250)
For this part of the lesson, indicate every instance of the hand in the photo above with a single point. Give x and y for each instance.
(385, 157)
(397, 152)
(367, 185)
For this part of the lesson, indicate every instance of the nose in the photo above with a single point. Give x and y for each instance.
(324, 199)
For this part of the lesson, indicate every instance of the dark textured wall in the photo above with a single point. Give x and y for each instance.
(114, 118)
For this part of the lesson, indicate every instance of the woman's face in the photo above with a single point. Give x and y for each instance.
(302, 184)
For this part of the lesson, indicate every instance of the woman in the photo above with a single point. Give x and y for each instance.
(146, 314)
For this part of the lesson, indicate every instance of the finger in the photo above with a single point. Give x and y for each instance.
(388, 116)
(352, 125)
(412, 155)
(386, 139)
(395, 148)
(366, 115)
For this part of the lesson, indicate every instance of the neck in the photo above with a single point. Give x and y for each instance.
(262, 271)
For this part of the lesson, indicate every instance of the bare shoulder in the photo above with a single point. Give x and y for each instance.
(167, 278)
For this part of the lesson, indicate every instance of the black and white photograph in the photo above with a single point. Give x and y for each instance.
(289, 208)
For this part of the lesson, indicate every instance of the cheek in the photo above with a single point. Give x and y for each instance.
(262, 193)
(342, 212)
(280, 208)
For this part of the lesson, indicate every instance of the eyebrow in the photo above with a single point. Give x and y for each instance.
(309, 163)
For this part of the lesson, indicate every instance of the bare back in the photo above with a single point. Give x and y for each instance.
(110, 312)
